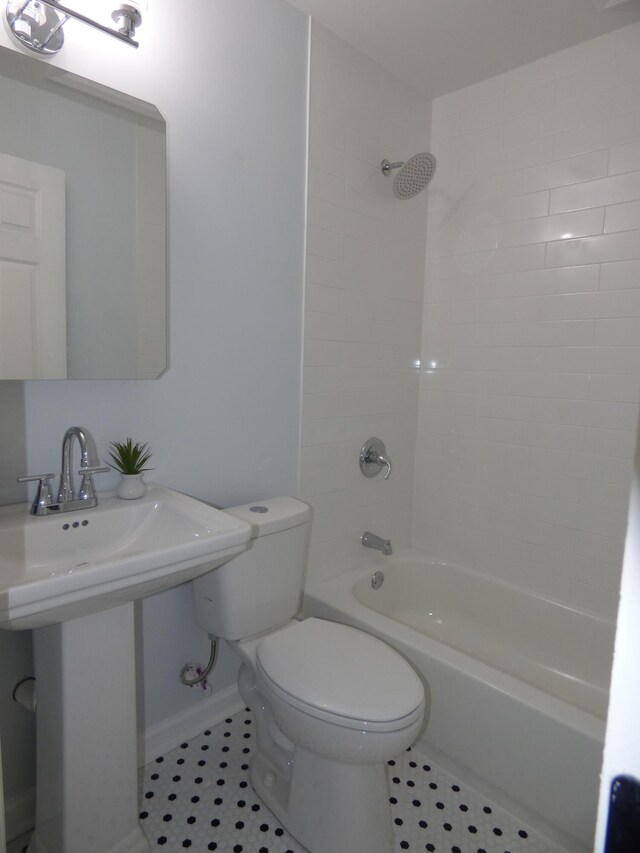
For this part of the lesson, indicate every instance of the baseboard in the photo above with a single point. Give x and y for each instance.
(20, 813)
(164, 736)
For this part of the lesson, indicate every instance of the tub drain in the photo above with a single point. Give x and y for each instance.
(377, 580)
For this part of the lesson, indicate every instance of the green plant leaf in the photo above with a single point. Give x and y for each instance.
(129, 458)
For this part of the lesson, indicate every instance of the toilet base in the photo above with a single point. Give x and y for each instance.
(327, 806)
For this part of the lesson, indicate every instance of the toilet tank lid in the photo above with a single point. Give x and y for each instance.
(272, 515)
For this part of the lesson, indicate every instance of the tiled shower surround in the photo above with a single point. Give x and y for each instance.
(529, 374)
(363, 303)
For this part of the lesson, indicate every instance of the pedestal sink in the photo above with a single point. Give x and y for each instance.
(73, 578)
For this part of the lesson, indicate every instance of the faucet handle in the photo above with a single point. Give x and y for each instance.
(87, 490)
(373, 457)
(43, 499)
(33, 477)
(381, 460)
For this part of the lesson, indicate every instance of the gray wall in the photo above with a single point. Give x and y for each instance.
(224, 420)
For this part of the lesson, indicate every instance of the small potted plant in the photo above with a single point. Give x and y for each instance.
(131, 461)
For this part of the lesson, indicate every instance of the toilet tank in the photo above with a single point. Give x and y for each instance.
(262, 587)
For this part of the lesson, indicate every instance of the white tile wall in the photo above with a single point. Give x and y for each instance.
(363, 303)
(530, 377)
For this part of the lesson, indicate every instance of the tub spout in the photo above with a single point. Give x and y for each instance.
(370, 540)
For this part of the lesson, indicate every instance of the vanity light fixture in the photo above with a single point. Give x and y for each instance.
(37, 24)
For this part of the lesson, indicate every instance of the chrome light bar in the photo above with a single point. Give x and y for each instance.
(37, 24)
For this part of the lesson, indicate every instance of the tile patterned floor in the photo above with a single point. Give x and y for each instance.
(198, 798)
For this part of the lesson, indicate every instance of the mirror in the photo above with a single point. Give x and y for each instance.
(83, 246)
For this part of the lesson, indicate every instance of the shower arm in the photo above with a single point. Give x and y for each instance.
(386, 166)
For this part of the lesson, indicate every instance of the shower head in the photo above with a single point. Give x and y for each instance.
(413, 175)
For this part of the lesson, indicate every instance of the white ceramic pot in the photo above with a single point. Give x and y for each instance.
(131, 486)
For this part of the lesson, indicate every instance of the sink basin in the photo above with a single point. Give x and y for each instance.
(60, 567)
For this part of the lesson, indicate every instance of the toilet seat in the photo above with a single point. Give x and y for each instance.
(341, 675)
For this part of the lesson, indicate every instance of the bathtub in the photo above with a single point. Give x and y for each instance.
(518, 683)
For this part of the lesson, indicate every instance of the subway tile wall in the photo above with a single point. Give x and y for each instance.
(363, 304)
(530, 374)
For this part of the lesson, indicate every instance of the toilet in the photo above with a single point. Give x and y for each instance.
(332, 704)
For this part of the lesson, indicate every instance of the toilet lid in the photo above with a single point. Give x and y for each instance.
(332, 670)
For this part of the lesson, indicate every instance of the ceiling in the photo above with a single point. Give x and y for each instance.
(439, 46)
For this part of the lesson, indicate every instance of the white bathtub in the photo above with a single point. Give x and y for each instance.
(518, 683)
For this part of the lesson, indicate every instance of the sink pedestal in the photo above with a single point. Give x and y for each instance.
(87, 791)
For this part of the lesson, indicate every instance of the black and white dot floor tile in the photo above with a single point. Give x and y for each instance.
(198, 798)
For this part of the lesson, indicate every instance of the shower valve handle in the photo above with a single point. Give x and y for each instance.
(383, 460)
(373, 457)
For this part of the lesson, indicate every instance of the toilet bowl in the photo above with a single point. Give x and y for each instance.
(332, 704)
(339, 692)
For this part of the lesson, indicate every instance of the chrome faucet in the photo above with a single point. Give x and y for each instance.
(370, 540)
(67, 499)
(89, 465)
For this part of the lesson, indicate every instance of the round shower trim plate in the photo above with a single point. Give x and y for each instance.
(372, 447)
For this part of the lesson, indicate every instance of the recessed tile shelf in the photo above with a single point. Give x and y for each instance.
(198, 798)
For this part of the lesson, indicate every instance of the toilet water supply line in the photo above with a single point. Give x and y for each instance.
(192, 674)
(24, 693)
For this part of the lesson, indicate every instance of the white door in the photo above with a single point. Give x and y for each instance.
(33, 316)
